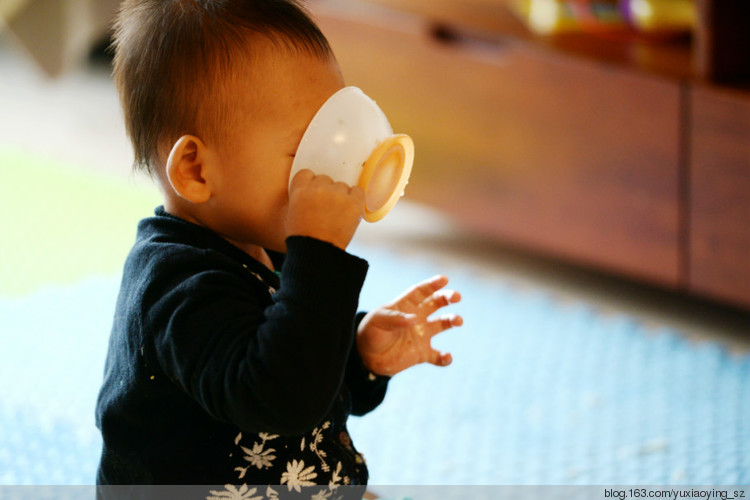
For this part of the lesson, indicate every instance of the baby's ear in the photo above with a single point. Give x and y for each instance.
(187, 169)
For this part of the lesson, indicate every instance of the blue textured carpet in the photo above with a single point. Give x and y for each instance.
(539, 393)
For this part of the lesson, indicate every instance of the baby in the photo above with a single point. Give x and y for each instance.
(237, 353)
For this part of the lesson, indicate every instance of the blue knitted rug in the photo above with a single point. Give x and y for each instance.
(540, 392)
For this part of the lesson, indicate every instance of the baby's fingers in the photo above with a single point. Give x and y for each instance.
(422, 291)
(449, 321)
(391, 319)
(441, 358)
(438, 300)
(443, 323)
(440, 325)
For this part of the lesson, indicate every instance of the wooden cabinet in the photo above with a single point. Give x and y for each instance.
(570, 147)
(719, 199)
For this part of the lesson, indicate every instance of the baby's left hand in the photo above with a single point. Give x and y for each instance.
(397, 336)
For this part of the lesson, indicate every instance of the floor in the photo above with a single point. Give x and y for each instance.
(77, 118)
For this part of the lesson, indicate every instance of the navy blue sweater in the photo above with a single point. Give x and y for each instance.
(220, 371)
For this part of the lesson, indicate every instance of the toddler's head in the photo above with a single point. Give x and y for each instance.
(216, 95)
(177, 61)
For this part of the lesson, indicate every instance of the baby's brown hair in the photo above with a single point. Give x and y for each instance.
(174, 60)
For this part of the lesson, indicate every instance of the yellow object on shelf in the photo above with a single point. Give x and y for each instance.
(545, 17)
(551, 17)
(662, 15)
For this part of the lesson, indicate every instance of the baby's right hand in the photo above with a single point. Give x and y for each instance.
(323, 209)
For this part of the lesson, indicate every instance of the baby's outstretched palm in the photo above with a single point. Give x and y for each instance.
(398, 335)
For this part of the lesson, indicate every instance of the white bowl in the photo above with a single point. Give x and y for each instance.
(350, 140)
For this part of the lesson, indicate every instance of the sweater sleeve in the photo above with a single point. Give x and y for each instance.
(274, 369)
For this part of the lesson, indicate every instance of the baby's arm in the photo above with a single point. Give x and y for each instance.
(276, 369)
(397, 335)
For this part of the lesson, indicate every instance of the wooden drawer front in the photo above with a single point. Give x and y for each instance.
(488, 16)
(720, 195)
(561, 155)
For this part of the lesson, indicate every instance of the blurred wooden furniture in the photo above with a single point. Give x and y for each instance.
(626, 156)
(718, 201)
(57, 34)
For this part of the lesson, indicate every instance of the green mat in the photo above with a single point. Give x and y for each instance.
(61, 223)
